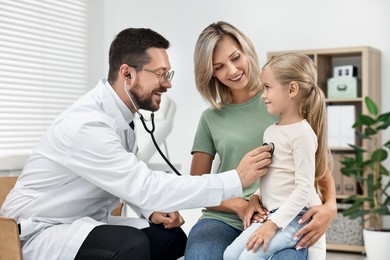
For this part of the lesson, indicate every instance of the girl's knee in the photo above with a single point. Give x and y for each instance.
(230, 253)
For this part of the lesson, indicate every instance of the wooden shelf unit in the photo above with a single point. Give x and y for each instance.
(368, 63)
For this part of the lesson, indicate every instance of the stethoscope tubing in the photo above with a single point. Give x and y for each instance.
(151, 131)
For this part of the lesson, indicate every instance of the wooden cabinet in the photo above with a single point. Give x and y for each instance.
(367, 60)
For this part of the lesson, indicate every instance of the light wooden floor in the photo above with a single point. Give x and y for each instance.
(336, 256)
(331, 255)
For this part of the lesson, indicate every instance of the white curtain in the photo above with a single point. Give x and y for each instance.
(43, 69)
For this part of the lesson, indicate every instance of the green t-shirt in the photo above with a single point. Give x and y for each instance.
(232, 132)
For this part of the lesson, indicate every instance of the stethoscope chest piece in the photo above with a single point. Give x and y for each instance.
(271, 144)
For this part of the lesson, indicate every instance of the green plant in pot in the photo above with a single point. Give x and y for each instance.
(366, 167)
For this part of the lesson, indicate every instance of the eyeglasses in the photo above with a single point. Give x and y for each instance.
(164, 76)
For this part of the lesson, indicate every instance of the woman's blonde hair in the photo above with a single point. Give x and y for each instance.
(211, 89)
(301, 69)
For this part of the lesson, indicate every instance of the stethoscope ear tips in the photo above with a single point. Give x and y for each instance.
(272, 147)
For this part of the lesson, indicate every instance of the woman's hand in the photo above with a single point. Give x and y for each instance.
(262, 235)
(254, 212)
(238, 206)
(322, 217)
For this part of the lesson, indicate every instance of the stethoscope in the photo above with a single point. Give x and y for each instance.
(272, 145)
(150, 131)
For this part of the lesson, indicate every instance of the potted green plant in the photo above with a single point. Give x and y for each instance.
(366, 167)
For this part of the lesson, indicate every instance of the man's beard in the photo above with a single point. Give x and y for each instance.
(141, 102)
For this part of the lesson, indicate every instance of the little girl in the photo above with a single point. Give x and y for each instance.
(300, 157)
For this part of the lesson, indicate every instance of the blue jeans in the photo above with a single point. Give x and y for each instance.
(281, 240)
(209, 238)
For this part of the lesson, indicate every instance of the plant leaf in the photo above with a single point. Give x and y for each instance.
(357, 148)
(370, 131)
(357, 124)
(383, 126)
(371, 106)
(382, 210)
(356, 214)
(384, 171)
(387, 144)
(379, 155)
(347, 160)
(366, 120)
(384, 117)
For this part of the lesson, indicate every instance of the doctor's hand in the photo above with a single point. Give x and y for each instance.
(254, 165)
(169, 220)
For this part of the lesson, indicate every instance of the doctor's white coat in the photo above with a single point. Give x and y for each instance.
(83, 165)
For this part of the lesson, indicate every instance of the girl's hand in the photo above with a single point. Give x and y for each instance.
(254, 212)
(262, 235)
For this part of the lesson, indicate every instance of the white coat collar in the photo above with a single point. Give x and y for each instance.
(117, 109)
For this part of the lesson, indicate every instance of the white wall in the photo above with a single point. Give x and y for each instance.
(272, 25)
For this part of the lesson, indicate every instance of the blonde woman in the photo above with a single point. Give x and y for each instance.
(228, 77)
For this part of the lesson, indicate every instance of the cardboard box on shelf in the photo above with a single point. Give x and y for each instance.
(342, 88)
(337, 176)
(349, 185)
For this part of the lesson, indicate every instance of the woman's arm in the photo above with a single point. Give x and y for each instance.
(201, 164)
(322, 215)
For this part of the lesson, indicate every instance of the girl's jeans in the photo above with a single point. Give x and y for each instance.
(281, 240)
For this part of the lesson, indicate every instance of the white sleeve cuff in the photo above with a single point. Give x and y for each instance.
(232, 185)
(146, 213)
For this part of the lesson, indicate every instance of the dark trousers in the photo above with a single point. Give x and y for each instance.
(108, 242)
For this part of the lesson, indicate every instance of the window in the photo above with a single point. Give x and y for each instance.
(43, 69)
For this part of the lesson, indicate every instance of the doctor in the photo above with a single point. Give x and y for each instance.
(86, 162)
